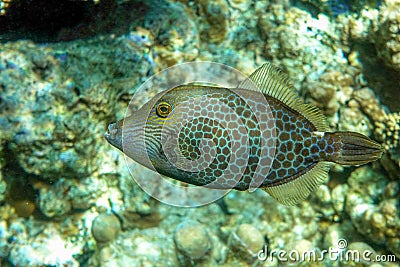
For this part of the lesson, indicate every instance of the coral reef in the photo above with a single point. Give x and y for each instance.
(371, 203)
(146, 247)
(29, 134)
(387, 128)
(311, 37)
(65, 195)
(176, 36)
(47, 248)
(29, 243)
(216, 25)
(390, 131)
(387, 29)
(67, 198)
(42, 114)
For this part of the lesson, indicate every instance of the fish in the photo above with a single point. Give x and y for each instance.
(257, 135)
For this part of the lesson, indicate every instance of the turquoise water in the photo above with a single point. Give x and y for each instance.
(68, 69)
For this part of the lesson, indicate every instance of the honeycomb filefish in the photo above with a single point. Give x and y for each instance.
(237, 135)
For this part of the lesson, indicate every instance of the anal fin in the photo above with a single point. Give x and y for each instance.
(292, 192)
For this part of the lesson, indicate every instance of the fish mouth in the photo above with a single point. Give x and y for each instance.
(114, 135)
(111, 131)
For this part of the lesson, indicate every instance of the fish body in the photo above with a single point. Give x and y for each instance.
(240, 138)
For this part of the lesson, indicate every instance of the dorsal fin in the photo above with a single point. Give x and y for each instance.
(275, 83)
(292, 192)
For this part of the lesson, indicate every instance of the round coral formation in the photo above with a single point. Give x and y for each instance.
(105, 227)
(246, 242)
(192, 240)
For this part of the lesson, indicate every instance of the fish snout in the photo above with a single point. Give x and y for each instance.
(114, 135)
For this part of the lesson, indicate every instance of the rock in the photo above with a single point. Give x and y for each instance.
(105, 227)
(192, 240)
(53, 203)
(246, 241)
(339, 197)
(24, 208)
(322, 201)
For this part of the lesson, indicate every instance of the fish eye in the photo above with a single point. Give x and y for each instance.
(163, 109)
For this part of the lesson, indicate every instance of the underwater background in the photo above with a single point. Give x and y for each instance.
(68, 68)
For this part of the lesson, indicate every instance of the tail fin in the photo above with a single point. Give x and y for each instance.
(355, 149)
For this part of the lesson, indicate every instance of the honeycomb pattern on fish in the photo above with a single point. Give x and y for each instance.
(216, 122)
(297, 149)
